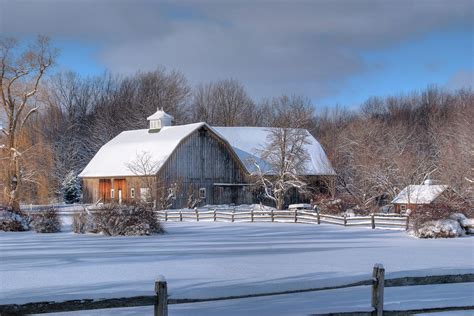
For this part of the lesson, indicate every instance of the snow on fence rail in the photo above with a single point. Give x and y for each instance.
(251, 215)
(285, 216)
(161, 299)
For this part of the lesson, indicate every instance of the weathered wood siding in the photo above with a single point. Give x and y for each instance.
(201, 161)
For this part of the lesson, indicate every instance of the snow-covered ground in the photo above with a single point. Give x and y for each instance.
(202, 260)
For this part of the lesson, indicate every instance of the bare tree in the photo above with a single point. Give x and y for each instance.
(282, 167)
(193, 197)
(145, 168)
(20, 76)
(224, 103)
(166, 193)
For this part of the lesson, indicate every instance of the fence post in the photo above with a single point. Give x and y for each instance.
(233, 211)
(408, 223)
(378, 275)
(273, 216)
(197, 214)
(251, 215)
(296, 215)
(319, 217)
(180, 216)
(373, 220)
(161, 302)
(345, 220)
(166, 216)
(215, 215)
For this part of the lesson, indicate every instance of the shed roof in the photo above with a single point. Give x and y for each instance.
(113, 159)
(419, 194)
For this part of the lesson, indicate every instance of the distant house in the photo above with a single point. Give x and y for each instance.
(214, 164)
(413, 196)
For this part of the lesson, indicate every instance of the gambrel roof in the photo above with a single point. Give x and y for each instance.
(113, 159)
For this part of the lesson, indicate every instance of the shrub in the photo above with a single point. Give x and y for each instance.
(444, 218)
(343, 205)
(11, 221)
(47, 221)
(83, 222)
(466, 223)
(115, 220)
(431, 212)
(441, 228)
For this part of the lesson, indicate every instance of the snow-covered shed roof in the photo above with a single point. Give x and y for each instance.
(419, 194)
(115, 157)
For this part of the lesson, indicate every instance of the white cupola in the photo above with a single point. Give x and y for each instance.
(159, 120)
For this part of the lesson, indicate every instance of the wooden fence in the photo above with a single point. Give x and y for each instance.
(286, 216)
(237, 215)
(161, 300)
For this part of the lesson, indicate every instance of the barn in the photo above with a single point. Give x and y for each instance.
(179, 163)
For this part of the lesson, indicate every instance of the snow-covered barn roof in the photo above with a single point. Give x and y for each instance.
(247, 141)
(114, 158)
(419, 194)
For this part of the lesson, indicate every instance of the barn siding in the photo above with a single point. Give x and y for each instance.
(201, 160)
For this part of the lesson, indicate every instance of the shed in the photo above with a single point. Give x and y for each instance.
(414, 195)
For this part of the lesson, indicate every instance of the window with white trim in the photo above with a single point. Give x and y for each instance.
(202, 193)
(132, 193)
(112, 193)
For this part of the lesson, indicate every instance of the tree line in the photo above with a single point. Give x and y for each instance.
(376, 150)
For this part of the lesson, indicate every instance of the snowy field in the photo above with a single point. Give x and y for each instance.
(202, 260)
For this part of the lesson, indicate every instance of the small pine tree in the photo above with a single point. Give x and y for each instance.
(71, 188)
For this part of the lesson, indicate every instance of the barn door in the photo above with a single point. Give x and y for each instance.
(120, 189)
(105, 186)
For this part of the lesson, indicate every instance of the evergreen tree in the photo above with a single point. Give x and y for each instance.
(71, 188)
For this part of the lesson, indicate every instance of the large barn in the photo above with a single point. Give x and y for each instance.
(212, 164)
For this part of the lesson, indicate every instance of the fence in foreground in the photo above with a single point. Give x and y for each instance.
(286, 216)
(161, 300)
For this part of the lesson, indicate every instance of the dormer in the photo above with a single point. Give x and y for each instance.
(159, 120)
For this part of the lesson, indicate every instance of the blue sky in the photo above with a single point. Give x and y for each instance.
(334, 52)
(434, 59)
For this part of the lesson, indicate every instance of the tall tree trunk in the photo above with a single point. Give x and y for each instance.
(13, 185)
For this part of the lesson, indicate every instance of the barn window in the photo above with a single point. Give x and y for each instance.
(403, 207)
(132, 193)
(202, 193)
(112, 193)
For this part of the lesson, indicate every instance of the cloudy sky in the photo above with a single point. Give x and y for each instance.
(335, 52)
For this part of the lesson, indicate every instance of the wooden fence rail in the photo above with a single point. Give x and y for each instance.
(161, 300)
(285, 216)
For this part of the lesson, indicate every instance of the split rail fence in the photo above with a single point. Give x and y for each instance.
(286, 216)
(161, 299)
